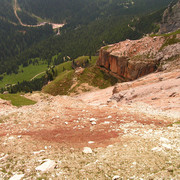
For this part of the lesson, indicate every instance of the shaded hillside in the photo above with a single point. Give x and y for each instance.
(85, 11)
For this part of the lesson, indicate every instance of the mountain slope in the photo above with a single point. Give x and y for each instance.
(171, 18)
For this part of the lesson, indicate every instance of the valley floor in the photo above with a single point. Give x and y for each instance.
(129, 140)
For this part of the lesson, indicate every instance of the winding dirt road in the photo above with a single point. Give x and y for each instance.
(54, 26)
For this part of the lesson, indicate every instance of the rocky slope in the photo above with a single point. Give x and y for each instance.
(171, 18)
(132, 134)
(131, 59)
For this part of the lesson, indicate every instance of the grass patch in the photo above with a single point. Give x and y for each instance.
(85, 61)
(170, 38)
(97, 78)
(106, 47)
(26, 73)
(169, 41)
(168, 34)
(62, 67)
(61, 84)
(1, 121)
(92, 75)
(17, 99)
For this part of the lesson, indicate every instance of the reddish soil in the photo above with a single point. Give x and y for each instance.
(76, 130)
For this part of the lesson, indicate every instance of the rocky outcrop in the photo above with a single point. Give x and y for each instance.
(160, 90)
(171, 18)
(131, 59)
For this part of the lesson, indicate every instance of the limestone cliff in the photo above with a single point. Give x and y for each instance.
(171, 18)
(131, 59)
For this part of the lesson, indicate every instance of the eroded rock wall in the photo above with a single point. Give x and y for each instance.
(129, 60)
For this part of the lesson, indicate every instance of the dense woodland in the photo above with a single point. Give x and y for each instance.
(89, 25)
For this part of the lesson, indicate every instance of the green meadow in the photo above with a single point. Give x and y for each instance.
(25, 73)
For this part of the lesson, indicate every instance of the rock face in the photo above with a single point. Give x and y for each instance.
(171, 18)
(131, 59)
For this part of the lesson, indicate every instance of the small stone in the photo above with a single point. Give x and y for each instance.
(106, 122)
(38, 152)
(167, 146)
(164, 140)
(92, 119)
(115, 177)
(91, 142)
(93, 123)
(156, 149)
(66, 123)
(170, 169)
(17, 177)
(109, 117)
(47, 166)
(11, 137)
(87, 150)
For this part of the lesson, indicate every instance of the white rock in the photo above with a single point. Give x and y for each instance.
(91, 142)
(93, 123)
(37, 152)
(47, 166)
(106, 122)
(11, 137)
(87, 150)
(92, 119)
(66, 123)
(109, 117)
(156, 149)
(167, 146)
(115, 177)
(4, 157)
(162, 139)
(17, 177)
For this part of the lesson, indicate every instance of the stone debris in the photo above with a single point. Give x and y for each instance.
(167, 146)
(116, 177)
(92, 119)
(162, 139)
(93, 123)
(46, 166)
(106, 122)
(4, 157)
(38, 152)
(157, 149)
(87, 150)
(17, 177)
(136, 142)
(91, 142)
